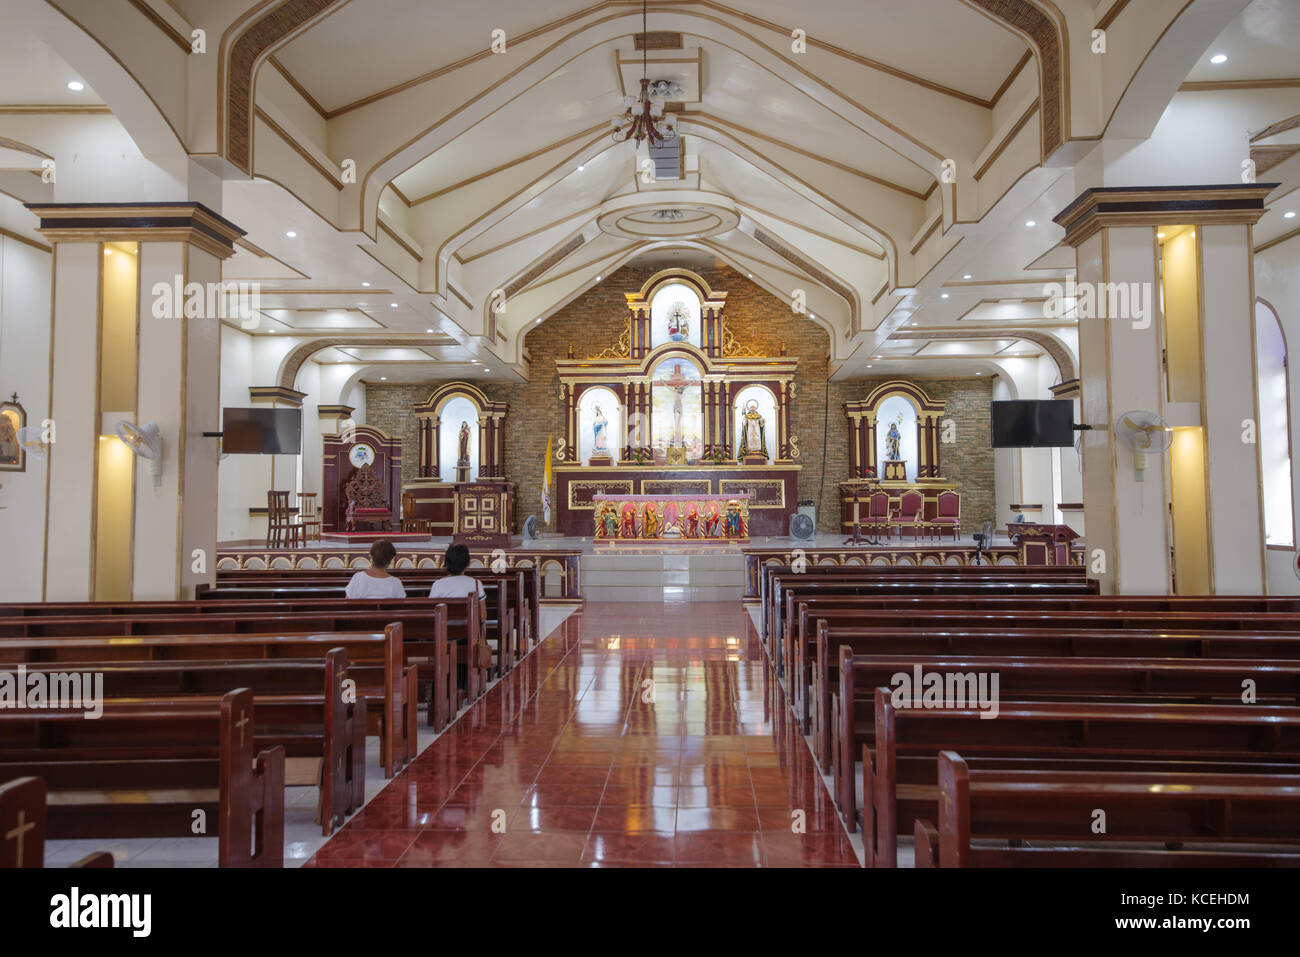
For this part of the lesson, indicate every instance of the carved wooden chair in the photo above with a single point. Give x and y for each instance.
(366, 500)
(947, 514)
(908, 514)
(409, 522)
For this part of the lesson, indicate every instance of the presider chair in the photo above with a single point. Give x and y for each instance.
(908, 514)
(877, 514)
(947, 514)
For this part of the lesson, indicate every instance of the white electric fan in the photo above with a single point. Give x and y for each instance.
(146, 442)
(1143, 433)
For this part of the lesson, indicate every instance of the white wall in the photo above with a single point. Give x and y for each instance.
(1277, 281)
(25, 369)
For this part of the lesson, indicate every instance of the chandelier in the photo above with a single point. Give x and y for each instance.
(642, 114)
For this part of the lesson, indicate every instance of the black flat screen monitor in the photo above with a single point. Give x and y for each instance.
(261, 431)
(1027, 424)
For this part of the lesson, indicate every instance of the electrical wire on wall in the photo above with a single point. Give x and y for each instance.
(826, 427)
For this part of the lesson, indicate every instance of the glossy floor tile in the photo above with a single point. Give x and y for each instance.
(635, 735)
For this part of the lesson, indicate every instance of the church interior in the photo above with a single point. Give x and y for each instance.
(649, 433)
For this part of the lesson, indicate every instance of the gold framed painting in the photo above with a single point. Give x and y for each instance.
(13, 457)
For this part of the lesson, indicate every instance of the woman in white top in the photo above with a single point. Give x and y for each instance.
(456, 584)
(375, 582)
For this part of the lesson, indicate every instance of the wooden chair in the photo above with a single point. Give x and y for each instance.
(281, 530)
(947, 515)
(908, 514)
(409, 522)
(309, 517)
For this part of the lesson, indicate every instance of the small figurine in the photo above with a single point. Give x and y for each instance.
(693, 523)
(628, 529)
(650, 524)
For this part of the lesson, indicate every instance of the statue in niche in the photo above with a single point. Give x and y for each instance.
(712, 521)
(679, 384)
(893, 441)
(753, 433)
(462, 453)
(608, 526)
(650, 525)
(693, 522)
(628, 527)
(600, 435)
(679, 325)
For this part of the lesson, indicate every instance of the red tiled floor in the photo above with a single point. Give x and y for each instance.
(635, 735)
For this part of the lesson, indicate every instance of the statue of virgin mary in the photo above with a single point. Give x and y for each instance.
(600, 434)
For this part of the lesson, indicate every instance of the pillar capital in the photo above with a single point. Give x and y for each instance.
(185, 222)
(1108, 206)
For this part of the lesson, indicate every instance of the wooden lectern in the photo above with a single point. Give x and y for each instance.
(484, 514)
(1042, 544)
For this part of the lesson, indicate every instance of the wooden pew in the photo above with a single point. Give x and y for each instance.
(525, 587)
(851, 722)
(145, 767)
(1140, 806)
(777, 577)
(386, 681)
(803, 650)
(301, 707)
(22, 827)
(899, 775)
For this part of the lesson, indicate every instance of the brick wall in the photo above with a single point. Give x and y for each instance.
(595, 320)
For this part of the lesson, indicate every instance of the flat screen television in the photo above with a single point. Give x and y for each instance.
(1032, 423)
(261, 431)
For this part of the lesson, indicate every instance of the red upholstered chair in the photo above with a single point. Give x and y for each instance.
(877, 513)
(908, 514)
(948, 514)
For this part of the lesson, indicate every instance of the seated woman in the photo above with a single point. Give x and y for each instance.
(375, 582)
(456, 584)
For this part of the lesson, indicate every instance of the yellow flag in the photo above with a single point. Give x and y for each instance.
(546, 484)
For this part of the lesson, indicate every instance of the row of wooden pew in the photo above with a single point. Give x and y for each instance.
(1120, 701)
(209, 708)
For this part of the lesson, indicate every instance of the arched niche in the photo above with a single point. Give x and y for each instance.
(599, 405)
(766, 406)
(675, 315)
(1274, 427)
(868, 427)
(439, 420)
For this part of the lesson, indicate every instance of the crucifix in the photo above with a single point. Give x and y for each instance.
(678, 383)
(18, 832)
(243, 720)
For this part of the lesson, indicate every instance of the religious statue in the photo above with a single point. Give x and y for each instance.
(650, 523)
(711, 521)
(735, 524)
(672, 521)
(628, 529)
(600, 435)
(679, 326)
(753, 432)
(608, 526)
(462, 455)
(892, 441)
(679, 384)
(693, 523)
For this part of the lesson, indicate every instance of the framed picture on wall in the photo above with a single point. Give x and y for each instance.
(13, 457)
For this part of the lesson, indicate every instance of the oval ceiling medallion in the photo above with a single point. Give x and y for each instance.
(632, 217)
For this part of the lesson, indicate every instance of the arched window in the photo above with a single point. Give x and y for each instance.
(1274, 432)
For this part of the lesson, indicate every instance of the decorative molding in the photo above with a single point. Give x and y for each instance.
(1069, 389)
(298, 148)
(184, 222)
(1049, 344)
(1040, 30)
(1161, 205)
(19, 238)
(276, 393)
(156, 19)
(335, 411)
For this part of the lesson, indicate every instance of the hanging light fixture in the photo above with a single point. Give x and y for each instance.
(643, 113)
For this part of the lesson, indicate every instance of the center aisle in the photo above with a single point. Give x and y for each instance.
(635, 734)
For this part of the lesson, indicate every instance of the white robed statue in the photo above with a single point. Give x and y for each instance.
(600, 434)
(753, 431)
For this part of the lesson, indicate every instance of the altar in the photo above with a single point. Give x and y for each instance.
(677, 410)
(667, 518)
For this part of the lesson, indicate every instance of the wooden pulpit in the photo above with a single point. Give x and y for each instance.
(1042, 544)
(484, 514)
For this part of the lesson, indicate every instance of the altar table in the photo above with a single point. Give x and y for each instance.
(666, 518)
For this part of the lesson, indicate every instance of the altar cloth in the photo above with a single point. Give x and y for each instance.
(670, 518)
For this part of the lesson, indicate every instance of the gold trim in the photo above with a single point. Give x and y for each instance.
(1006, 140)
(576, 484)
(410, 250)
(1201, 86)
(298, 148)
(37, 108)
(742, 485)
(156, 19)
(18, 238)
(298, 87)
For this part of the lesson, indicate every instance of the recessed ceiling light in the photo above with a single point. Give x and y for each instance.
(599, 278)
(979, 373)
(1160, 235)
(868, 365)
(108, 252)
(383, 378)
(430, 331)
(392, 305)
(1289, 214)
(913, 323)
(581, 168)
(1219, 58)
(812, 315)
(751, 275)
(1030, 223)
(76, 86)
(967, 276)
(291, 234)
(270, 332)
(942, 295)
(365, 284)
